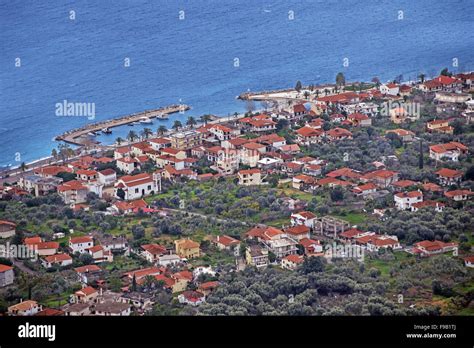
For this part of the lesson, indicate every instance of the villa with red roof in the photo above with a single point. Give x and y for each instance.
(365, 190)
(382, 178)
(291, 262)
(429, 248)
(7, 229)
(226, 242)
(445, 83)
(448, 177)
(152, 252)
(449, 151)
(338, 134)
(298, 232)
(193, 298)
(73, 192)
(6, 275)
(459, 195)
(311, 247)
(131, 207)
(249, 177)
(80, 244)
(357, 119)
(405, 200)
(305, 218)
(61, 260)
(128, 164)
(308, 135)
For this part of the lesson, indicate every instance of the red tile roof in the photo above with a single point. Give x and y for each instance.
(81, 239)
(249, 171)
(4, 268)
(226, 240)
(411, 194)
(57, 258)
(449, 173)
(297, 230)
(451, 194)
(294, 258)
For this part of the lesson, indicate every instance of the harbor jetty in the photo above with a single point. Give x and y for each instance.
(79, 136)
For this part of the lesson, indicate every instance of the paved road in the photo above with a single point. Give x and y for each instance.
(22, 267)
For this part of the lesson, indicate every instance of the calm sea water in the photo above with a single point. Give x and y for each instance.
(192, 60)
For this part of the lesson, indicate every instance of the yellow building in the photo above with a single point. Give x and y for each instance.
(187, 248)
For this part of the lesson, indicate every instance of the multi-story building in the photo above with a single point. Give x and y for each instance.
(186, 140)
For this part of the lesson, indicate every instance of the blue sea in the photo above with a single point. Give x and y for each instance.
(191, 60)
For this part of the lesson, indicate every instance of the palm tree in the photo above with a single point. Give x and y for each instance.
(131, 136)
(177, 125)
(23, 167)
(146, 132)
(162, 130)
(119, 141)
(340, 79)
(65, 151)
(191, 121)
(205, 118)
(54, 153)
(422, 77)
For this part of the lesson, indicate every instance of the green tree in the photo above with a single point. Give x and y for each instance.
(54, 153)
(420, 155)
(445, 72)
(191, 121)
(205, 118)
(120, 193)
(162, 130)
(131, 136)
(146, 133)
(177, 125)
(298, 86)
(119, 141)
(115, 284)
(337, 194)
(340, 79)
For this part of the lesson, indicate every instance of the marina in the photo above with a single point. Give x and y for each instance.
(81, 136)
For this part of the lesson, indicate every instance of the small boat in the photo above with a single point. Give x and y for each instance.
(145, 120)
(106, 131)
(92, 134)
(162, 116)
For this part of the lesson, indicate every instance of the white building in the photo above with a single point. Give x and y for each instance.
(405, 200)
(80, 244)
(306, 218)
(389, 88)
(107, 177)
(128, 164)
(25, 308)
(138, 186)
